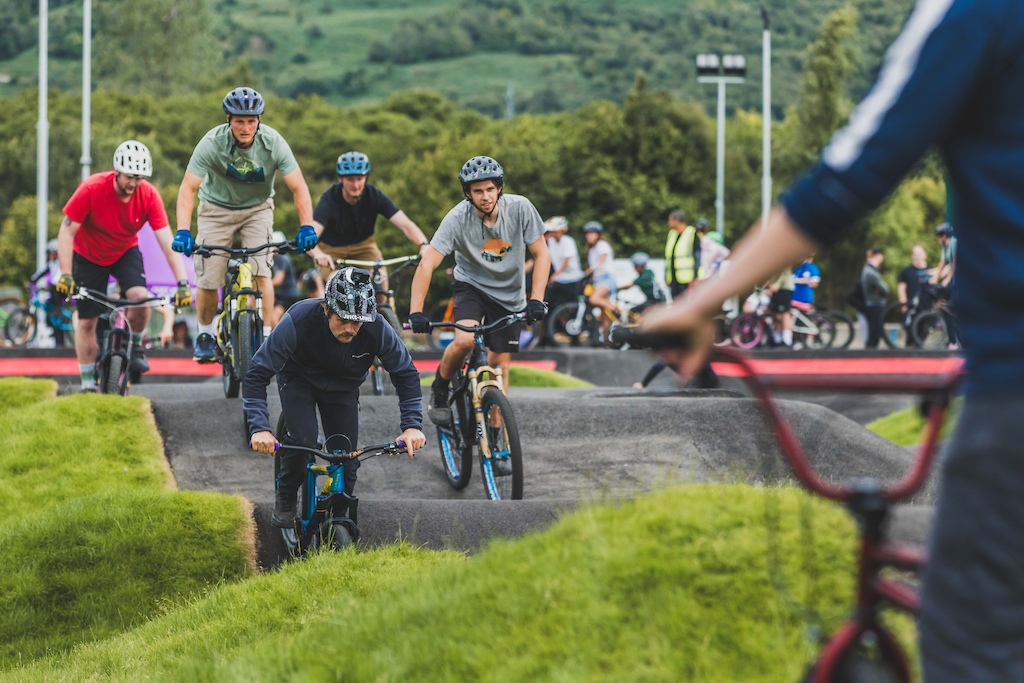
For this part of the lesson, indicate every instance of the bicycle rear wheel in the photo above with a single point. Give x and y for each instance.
(929, 330)
(20, 326)
(823, 335)
(894, 332)
(377, 375)
(844, 328)
(501, 468)
(570, 326)
(456, 453)
(747, 330)
(391, 317)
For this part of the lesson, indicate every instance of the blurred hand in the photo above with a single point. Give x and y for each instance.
(263, 442)
(535, 310)
(682, 318)
(183, 297)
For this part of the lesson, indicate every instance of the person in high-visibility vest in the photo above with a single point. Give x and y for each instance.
(682, 253)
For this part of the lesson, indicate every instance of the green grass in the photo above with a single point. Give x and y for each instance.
(676, 585)
(94, 539)
(906, 427)
(524, 376)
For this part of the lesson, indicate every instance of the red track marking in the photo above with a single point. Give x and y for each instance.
(844, 366)
(55, 367)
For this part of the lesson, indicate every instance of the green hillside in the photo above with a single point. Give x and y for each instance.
(557, 54)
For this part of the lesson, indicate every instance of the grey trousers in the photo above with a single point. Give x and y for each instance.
(972, 615)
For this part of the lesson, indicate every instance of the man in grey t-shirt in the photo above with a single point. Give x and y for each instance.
(489, 233)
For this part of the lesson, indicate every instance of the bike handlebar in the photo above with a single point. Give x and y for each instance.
(391, 448)
(376, 263)
(478, 329)
(110, 302)
(207, 250)
(938, 390)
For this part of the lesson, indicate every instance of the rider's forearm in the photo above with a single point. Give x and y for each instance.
(183, 208)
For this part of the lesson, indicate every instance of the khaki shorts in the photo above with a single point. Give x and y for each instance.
(367, 250)
(217, 225)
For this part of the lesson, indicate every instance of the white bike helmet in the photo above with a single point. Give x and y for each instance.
(133, 158)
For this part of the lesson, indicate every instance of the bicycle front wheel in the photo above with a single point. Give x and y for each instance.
(929, 330)
(20, 326)
(747, 330)
(501, 467)
(894, 333)
(822, 333)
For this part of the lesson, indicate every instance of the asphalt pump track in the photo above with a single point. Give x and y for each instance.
(580, 446)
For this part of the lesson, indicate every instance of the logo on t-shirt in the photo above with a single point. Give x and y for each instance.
(495, 250)
(243, 168)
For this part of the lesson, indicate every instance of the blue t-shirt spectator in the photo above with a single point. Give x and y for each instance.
(803, 292)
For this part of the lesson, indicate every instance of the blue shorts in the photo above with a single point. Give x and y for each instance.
(606, 280)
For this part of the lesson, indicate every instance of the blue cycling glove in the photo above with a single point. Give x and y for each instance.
(306, 238)
(183, 242)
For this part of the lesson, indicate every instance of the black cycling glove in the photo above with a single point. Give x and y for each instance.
(535, 310)
(419, 323)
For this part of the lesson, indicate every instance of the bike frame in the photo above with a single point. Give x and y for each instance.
(329, 502)
(869, 501)
(472, 384)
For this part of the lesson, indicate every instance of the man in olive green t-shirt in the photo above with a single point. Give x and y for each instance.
(233, 169)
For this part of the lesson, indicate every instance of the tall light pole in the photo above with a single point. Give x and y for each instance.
(766, 118)
(42, 141)
(712, 68)
(86, 85)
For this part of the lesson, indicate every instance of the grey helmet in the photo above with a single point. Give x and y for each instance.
(243, 102)
(481, 168)
(944, 230)
(593, 226)
(353, 163)
(350, 294)
(639, 259)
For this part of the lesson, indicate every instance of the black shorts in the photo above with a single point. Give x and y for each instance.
(127, 270)
(781, 301)
(472, 304)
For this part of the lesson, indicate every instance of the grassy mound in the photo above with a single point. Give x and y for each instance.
(690, 583)
(94, 539)
(906, 427)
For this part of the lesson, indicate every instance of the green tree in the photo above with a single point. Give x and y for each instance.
(153, 46)
(18, 239)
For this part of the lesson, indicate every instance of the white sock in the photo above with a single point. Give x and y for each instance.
(87, 373)
(776, 337)
(266, 331)
(208, 329)
(787, 337)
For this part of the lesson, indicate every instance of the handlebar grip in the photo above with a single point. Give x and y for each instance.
(400, 443)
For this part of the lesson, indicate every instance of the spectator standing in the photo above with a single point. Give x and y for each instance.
(806, 278)
(712, 251)
(566, 281)
(682, 253)
(876, 295)
(600, 257)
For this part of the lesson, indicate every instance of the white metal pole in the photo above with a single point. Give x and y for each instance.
(86, 86)
(42, 139)
(766, 135)
(720, 173)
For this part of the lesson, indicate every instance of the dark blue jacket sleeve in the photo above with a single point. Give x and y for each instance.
(924, 87)
(270, 358)
(404, 376)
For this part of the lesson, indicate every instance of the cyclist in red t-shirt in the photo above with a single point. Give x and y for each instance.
(99, 238)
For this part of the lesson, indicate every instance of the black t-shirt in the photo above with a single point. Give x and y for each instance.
(345, 223)
(913, 278)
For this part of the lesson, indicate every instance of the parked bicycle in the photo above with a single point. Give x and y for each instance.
(113, 375)
(238, 324)
(20, 321)
(385, 308)
(328, 516)
(578, 323)
(810, 329)
(482, 416)
(863, 648)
